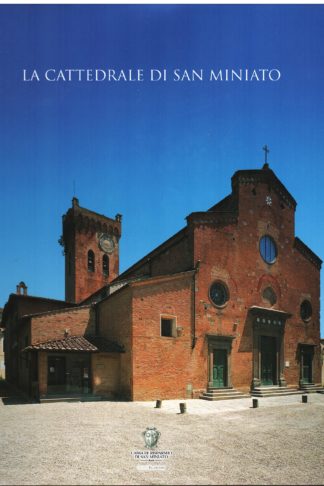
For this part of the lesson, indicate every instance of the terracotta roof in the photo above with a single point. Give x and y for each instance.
(78, 343)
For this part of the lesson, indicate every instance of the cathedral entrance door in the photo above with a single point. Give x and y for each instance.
(268, 360)
(220, 368)
(307, 361)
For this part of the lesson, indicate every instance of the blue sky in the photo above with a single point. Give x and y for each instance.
(153, 152)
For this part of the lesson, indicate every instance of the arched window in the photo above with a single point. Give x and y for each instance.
(91, 261)
(105, 265)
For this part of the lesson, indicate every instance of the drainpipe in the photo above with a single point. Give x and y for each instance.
(194, 338)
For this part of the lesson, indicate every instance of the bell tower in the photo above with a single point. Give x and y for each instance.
(91, 249)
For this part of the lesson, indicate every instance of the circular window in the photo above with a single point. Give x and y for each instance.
(306, 310)
(218, 294)
(268, 249)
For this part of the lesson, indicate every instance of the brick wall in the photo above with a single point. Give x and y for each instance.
(115, 324)
(78, 321)
(106, 374)
(85, 282)
(25, 305)
(176, 258)
(175, 255)
(162, 366)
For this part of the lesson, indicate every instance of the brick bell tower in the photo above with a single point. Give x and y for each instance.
(91, 248)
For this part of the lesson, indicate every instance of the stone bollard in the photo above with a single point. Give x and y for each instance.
(304, 398)
(183, 407)
(158, 404)
(255, 402)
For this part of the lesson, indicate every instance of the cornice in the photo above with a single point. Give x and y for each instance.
(90, 221)
(270, 313)
(210, 217)
(307, 253)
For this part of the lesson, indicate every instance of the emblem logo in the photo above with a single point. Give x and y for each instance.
(151, 436)
(269, 200)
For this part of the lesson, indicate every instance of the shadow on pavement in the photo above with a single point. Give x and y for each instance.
(10, 396)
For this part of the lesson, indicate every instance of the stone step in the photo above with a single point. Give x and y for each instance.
(270, 387)
(311, 388)
(214, 398)
(222, 394)
(234, 394)
(223, 388)
(80, 398)
(273, 391)
(274, 394)
(274, 388)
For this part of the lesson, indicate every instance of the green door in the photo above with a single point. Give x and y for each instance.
(307, 367)
(220, 368)
(268, 360)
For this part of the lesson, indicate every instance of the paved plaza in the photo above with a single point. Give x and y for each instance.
(226, 442)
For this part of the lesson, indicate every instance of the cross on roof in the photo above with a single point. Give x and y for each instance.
(266, 151)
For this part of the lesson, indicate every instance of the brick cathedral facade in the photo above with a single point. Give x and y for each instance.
(230, 302)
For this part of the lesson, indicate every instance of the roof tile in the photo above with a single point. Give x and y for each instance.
(78, 343)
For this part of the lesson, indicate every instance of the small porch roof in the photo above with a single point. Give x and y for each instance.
(90, 344)
(256, 310)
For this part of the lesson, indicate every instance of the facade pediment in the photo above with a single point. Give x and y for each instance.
(265, 176)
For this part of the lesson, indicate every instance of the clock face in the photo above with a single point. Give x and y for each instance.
(106, 243)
